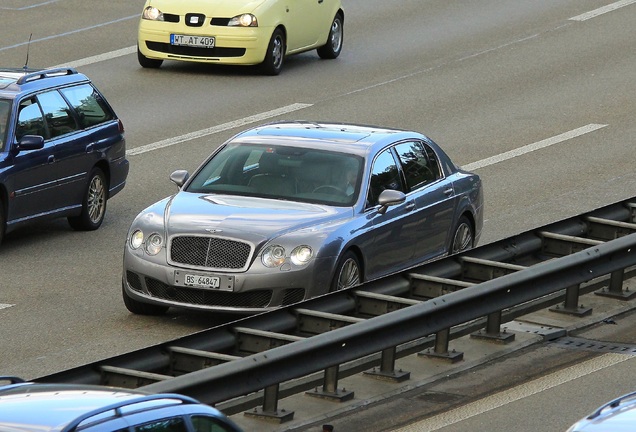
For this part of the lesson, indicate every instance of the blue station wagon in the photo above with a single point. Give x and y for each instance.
(62, 149)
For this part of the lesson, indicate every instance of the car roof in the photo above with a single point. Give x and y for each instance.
(616, 415)
(14, 81)
(348, 138)
(61, 405)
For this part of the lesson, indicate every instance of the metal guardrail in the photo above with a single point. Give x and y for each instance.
(257, 360)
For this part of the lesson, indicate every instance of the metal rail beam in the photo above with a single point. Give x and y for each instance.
(352, 342)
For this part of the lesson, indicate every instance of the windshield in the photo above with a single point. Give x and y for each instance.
(5, 106)
(283, 172)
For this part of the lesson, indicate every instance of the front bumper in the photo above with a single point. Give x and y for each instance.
(233, 45)
(254, 291)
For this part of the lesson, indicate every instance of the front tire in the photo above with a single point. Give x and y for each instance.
(275, 56)
(93, 204)
(348, 272)
(146, 62)
(463, 236)
(140, 308)
(333, 47)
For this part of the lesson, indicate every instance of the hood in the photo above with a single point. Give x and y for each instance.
(248, 218)
(218, 8)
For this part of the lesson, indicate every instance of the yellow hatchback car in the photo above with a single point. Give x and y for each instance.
(238, 32)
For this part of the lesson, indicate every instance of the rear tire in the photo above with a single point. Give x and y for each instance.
(140, 308)
(333, 47)
(148, 62)
(275, 56)
(463, 236)
(348, 272)
(93, 204)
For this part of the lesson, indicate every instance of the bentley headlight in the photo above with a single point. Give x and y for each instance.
(152, 13)
(301, 255)
(153, 244)
(273, 256)
(243, 20)
(136, 239)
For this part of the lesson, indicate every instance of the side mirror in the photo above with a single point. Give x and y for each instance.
(179, 177)
(30, 142)
(389, 198)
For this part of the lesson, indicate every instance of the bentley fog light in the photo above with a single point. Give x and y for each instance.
(301, 255)
(136, 239)
(153, 244)
(273, 256)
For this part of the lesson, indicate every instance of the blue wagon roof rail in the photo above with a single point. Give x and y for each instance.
(118, 405)
(611, 404)
(47, 73)
(11, 379)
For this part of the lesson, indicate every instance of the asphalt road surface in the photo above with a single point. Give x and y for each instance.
(536, 96)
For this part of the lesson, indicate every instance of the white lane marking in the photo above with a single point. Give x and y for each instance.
(532, 147)
(70, 33)
(517, 393)
(98, 58)
(4, 305)
(602, 10)
(29, 7)
(216, 129)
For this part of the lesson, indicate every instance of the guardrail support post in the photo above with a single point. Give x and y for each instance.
(493, 331)
(387, 370)
(615, 289)
(269, 410)
(571, 305)
(330, 387)
(440, 351)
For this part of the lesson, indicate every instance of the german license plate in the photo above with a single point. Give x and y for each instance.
(193, 41)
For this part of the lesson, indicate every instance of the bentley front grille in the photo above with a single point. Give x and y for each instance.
(210, 252)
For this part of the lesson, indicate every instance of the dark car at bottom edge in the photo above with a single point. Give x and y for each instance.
(40, 407)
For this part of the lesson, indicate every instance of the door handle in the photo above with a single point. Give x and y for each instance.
(410, 206)
(448, 191)
(50, 159)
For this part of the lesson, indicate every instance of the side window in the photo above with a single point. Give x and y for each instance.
(57, 114)
(5, 107)
(174, 424)
(419, 163)
(209, 424)
(384, 175)
(30, 120)
(88, 103)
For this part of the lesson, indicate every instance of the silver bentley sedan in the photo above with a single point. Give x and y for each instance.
(291, 210)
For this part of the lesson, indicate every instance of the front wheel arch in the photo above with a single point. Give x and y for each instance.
(275, 54)
(345, 257)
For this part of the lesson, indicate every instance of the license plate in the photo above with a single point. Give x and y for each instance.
(198, 281)
(193, 41)
(204, 281)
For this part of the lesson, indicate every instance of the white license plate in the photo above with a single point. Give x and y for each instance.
(193, 41)
(198, 281)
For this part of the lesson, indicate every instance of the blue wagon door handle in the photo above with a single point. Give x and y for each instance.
(448, 191)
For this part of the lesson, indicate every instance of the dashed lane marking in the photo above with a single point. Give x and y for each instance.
(602, 10)
(532, 147)
(216, 129)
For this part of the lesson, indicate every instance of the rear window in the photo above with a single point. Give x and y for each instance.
(89, 104)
